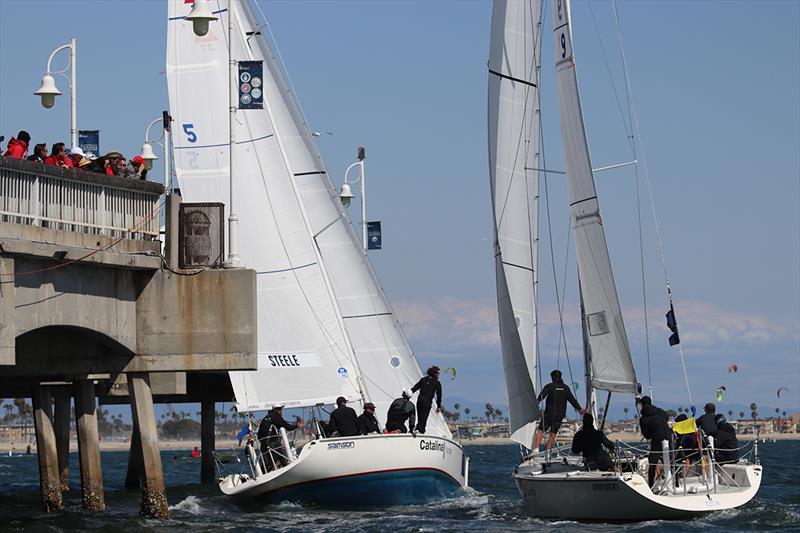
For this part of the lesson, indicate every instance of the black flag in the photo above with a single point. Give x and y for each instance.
(672, 324)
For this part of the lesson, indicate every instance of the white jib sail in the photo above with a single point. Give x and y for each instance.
(303, 353)
(514, 59)
(350, 302)
(612, 368)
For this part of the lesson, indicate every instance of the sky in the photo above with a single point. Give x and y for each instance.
(717, 92)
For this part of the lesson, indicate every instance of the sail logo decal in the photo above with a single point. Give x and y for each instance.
(341, 445)
(272, 360)
(597, 323)
(434, 446)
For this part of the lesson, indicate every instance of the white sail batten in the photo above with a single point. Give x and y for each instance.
(514, 61)
(340, 310)
(303, 351)
(611, 364)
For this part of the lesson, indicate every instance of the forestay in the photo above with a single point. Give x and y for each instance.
(317, 290)
(612, 368)
(514, 59)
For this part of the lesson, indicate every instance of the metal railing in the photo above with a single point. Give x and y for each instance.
(65, 199)
(260, 456)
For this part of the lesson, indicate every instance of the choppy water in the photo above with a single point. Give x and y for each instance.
(493, 504)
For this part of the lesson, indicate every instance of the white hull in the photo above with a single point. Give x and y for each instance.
(592, 495)
(362, 471)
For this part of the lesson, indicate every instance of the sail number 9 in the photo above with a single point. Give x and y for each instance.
(191, 136)
(563, 45)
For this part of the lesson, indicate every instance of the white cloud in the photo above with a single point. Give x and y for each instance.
(450, 326)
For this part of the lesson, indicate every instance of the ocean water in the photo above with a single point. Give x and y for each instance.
(492, 504)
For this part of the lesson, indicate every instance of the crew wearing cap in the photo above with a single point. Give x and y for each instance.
(367, 423)
(402, 409)
(269, 436)
(344, 420)
(557, 394)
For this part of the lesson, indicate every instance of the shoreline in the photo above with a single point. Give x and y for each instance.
(223, 444)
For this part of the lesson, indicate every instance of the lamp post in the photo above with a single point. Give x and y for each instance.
(200, 16)
(48, 91)
(346, 194)
(147, 148)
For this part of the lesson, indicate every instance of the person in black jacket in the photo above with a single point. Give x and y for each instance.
(343, 419)
(555, 409)
(427, 387)
(653, 422)
(367, 423)
(589, 442)
(707, 422)
(269, 435)
(726, 447)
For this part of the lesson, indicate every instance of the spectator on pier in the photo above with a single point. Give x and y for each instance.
(139, 167)
(106, 164)
(76, 155)
(58, 157)
(39, 153)
(18, 147)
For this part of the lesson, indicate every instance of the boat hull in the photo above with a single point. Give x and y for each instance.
(612, 497)
(370, 470)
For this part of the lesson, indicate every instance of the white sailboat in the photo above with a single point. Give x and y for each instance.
(566, 488)
(319, 300)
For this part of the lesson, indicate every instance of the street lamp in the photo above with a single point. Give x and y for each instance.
(147, 148)
(200, 16)
(346, 195)
(48, 91)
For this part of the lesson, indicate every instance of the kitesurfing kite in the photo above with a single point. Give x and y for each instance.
(720, 390)
(781, 389)
(733, 368)
(452, 372)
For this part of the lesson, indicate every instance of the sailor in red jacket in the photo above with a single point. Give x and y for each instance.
(18, 147)
(58, 157)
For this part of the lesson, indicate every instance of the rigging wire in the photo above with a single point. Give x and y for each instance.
(637, 132)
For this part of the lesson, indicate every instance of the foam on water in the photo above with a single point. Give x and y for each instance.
(189, 505)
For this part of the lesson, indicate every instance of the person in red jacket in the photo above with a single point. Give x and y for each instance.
(58, 157)
(18, 147)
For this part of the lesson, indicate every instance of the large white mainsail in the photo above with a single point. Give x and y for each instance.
(317, 290)
(612, 368)
(514, 59)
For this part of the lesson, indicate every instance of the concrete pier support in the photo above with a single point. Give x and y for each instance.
(62, 436)
(154, 496)
(133, 479)
(89, 447)
(46, 450)
(207, 441)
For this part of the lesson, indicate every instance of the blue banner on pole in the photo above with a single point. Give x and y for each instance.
(374, 235)
(251, 81)
(89, 141)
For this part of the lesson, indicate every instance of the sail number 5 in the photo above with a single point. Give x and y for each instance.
(191, 136)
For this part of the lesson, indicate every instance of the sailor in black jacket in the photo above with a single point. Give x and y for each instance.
(557, 394)
(367, 423)
(343, 419)
(427, 387)
(653, 422)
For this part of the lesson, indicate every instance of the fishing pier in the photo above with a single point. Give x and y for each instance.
(92, 310)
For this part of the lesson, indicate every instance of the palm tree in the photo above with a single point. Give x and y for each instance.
(730, 413)
(680, 409)
(457, 406)
(741, 414)
(489, 412)
(466, 412)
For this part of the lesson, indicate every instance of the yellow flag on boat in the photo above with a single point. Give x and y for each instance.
(684, 427)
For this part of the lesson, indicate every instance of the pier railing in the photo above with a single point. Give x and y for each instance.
(65, 199)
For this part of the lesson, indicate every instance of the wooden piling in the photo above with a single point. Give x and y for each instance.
(154, 496)
(207, 442)
(62, 436)
(46, 450)
(89, 447)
